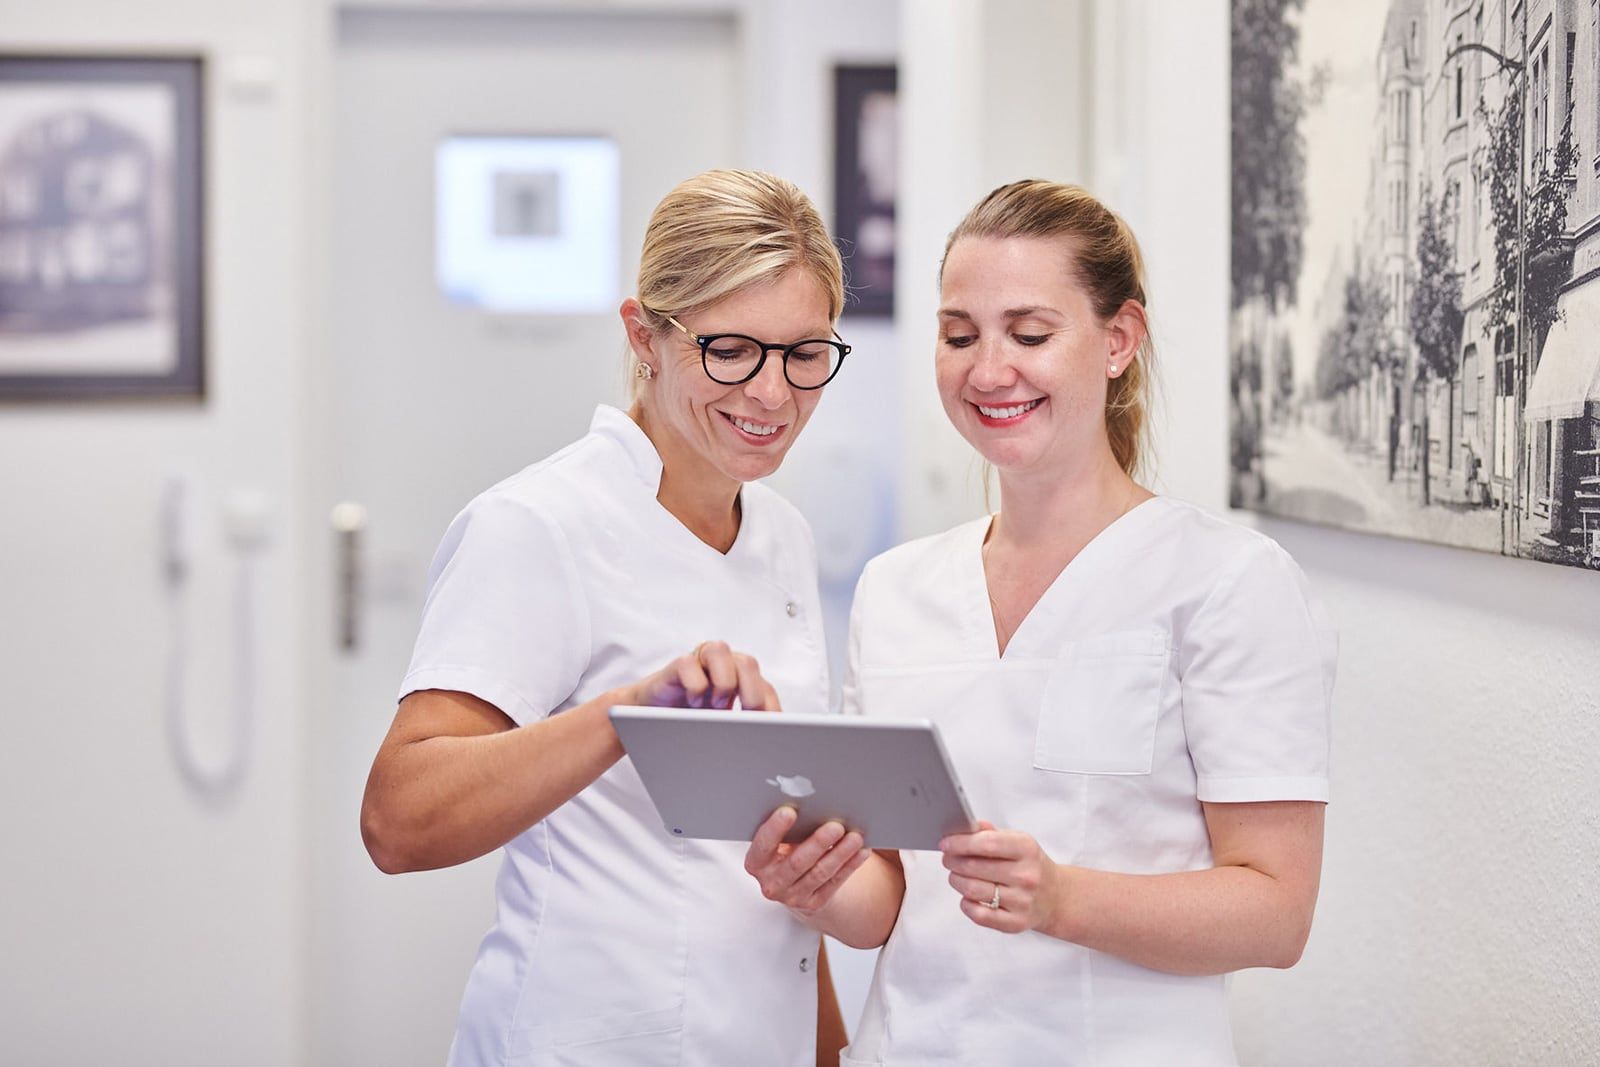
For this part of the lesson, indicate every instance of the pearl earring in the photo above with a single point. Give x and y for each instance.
(1113, 368)
(644, 372)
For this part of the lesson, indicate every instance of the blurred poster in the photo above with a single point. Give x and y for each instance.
(866, 149)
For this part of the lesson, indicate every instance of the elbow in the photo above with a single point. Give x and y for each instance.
(862, 940)
(384, 845)
(1287, 956)
(1292, 945)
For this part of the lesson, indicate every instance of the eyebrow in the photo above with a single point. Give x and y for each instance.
(1010, 313)
(827, 332)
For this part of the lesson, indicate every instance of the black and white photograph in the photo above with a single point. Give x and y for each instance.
(1415, 314)
(865, 161)
(100, 227)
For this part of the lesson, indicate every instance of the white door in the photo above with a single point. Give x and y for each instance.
(431, 401)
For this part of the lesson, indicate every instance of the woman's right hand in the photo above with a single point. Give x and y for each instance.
(711, 676)
(803, 877)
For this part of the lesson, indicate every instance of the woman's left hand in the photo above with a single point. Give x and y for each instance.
(1007, 866)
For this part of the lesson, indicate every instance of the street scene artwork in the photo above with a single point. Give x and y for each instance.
(1415, 319)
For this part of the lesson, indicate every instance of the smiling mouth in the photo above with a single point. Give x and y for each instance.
(760, 433)
(1008, 413)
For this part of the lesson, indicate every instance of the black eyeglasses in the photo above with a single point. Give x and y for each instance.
(733, 358)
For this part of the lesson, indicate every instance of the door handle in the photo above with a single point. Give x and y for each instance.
(349, 521)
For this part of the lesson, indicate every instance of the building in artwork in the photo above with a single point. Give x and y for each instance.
(1387, 241)
(1518, 430)
(1561, 412)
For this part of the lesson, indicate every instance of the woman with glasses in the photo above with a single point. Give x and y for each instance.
(616, 572)
(1135, 695)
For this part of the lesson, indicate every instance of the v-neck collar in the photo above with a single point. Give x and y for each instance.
(644, 461)
(985, 637)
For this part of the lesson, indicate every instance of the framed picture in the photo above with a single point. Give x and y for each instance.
(101, 227)
(1415, 327)
(529, 224)
(865, 148)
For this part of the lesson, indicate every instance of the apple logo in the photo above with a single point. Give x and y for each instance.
(793, 786)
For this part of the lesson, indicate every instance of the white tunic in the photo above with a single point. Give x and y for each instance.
(1177, 659)
(615, 942)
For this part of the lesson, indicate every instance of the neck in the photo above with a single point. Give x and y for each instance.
(1055, 511)
(694, 492)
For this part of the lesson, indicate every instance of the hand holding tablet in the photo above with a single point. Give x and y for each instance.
(803, 876)
(720, 774)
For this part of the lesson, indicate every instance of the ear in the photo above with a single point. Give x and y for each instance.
(641, 338)
(1126, 331)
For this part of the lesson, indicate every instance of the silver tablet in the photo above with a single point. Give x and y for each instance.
(719, 774)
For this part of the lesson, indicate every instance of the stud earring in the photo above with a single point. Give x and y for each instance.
(1113, 370)
(644, 372)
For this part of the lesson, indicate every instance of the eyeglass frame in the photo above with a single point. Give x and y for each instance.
(703, 340)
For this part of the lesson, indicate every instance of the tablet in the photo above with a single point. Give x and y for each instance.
(719, 774)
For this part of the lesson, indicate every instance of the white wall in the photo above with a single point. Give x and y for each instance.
(992, 91)
(140, 925)
(1460, 913)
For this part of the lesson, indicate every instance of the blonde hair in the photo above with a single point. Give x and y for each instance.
(722, 231)
(1106, 261)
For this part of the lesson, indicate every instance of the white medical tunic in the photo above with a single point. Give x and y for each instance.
(1177, 659)
(615, 942)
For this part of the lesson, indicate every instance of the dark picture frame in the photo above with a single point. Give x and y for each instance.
(865, 133)
(102, 249)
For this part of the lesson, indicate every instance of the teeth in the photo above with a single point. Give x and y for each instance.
(754, 428)
(1011, 412)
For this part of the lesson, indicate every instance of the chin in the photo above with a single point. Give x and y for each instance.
(751, 468)
(1006, 456)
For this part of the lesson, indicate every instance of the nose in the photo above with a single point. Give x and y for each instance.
(991, 370)
(769, 387)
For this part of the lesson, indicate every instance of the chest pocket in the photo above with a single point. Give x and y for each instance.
(1100, 705)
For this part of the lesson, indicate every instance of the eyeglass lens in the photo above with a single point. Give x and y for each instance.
(730, 359)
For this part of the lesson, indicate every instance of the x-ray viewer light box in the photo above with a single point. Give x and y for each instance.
(529, 224)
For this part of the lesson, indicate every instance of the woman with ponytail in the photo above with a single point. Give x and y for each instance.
(1135, 695)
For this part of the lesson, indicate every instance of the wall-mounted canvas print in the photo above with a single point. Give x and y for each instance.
(100, 227)
(865, 154)
(1415, 321)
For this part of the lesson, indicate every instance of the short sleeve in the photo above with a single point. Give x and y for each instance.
(505, 619)
(1256, 668)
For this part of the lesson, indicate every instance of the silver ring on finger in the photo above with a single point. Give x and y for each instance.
(994, 901)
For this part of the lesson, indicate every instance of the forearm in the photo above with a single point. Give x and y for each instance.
(1190, 923)
(440, 801)
(863, 912)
